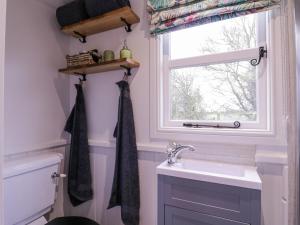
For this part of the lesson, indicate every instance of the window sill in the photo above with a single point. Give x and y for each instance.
(221, 136)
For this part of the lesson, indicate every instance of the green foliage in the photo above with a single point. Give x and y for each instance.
(186, 100)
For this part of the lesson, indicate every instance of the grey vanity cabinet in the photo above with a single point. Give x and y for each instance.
(189, 202)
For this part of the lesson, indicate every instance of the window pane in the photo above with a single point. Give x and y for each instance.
(222, 92)
(228, 35)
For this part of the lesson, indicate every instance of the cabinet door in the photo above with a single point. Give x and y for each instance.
(177, 216)
(233, 203)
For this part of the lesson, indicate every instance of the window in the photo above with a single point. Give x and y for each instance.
(206, 76)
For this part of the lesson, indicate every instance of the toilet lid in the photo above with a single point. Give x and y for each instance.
(72, 220)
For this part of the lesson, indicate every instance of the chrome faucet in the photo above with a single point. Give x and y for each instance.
(174, 150)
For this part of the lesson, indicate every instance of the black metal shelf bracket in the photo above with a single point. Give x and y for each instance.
(262, 53)
(82, 38)
(235, 125)
(127, 25)
(83, 75)
(128, 70)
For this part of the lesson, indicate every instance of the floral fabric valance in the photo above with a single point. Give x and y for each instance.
(169, 15)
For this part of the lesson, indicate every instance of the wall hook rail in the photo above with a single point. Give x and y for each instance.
(82, 38)
(262, 53)
(235, 125)
(127, 25)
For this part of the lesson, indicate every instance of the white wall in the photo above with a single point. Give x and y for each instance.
(102, 101)
(103, 169)
(35, 101)
(36, 96)
(2, 51)
(294, 153)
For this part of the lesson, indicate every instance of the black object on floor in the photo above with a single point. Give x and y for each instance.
(72, 220)
(126, 190)
(79, 174)
(72, 12)
(99, 7)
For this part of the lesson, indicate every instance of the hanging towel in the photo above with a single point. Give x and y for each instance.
(125, 189)
(79, 176)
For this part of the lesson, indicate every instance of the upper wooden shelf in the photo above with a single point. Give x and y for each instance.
(105, 22)
(101, 67)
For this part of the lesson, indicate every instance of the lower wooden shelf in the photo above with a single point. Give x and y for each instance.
(118, 64)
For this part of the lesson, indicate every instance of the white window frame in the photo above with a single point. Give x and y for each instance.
(273, 133)
(219, 58)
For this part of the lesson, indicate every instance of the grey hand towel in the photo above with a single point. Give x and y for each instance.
(125, 189)
(79, 175)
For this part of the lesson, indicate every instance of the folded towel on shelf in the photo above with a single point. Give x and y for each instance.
(99, 7)
(71, 13)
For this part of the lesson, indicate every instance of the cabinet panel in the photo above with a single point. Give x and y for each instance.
(177, 216)
(228, 202)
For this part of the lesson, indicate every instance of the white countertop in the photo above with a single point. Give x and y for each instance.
(214, 172)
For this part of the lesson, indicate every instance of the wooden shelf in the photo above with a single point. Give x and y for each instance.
(105, 22)
(118, 64)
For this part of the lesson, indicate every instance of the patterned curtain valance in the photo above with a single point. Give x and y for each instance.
(170, 15)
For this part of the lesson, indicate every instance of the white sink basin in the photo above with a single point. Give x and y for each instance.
(214, 172)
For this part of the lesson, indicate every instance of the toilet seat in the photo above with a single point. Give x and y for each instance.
(72, 220)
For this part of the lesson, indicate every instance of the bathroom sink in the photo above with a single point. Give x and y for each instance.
(214, 172)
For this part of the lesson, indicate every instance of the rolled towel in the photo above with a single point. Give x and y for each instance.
(72, 12)
(99, 7)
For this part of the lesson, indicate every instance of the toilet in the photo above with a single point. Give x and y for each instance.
(30, 189)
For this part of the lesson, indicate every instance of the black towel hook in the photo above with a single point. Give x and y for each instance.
(83, 75)
(128, 70)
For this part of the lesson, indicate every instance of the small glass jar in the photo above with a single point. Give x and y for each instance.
(108, 55)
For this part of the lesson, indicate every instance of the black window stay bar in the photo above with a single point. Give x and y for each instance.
(235, 125)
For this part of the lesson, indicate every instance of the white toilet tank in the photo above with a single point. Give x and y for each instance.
(29, 189)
